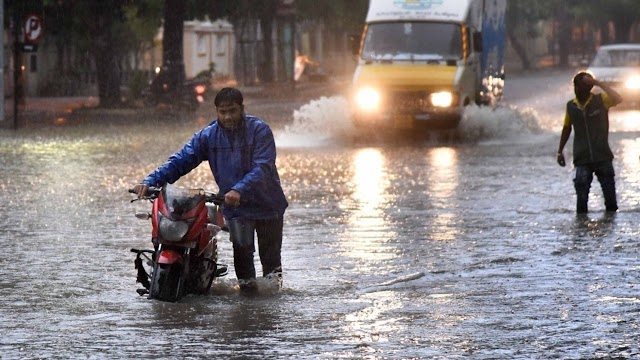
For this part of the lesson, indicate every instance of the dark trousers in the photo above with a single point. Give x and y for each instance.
(582, 182)
(241, 234)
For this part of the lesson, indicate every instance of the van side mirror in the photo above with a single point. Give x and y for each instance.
(477, 41)
(354, 42)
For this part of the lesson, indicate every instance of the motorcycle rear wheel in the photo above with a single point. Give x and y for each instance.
(189, 102)
(167, 282)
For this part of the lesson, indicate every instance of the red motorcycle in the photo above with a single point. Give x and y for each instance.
(185, 224)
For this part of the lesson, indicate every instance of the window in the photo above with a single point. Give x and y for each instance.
(33, 63)
(413, 41)
(201, 44)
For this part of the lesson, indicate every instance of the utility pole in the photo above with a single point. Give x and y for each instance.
(17, 63)
(2, 65)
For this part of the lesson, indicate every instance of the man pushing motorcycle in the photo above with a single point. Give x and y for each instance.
(241, 152)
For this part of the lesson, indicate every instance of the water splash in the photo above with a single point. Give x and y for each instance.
(317, 123)
(490, 123)
(327, 120)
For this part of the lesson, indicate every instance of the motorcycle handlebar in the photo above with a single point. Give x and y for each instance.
(152, 193)
(217, 199)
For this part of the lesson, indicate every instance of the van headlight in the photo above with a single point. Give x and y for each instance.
(368, 99)
(633, 82)
(441, 99)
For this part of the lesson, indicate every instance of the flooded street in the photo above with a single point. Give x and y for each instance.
(443, 249)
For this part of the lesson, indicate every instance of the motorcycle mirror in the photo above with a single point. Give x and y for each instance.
(143, 215)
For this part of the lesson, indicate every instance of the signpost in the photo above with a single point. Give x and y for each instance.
(32, 29)
(2, 114)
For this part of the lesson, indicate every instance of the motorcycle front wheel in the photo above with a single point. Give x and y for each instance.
(167, 282)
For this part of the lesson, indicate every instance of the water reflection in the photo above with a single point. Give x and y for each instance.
(367, 218)
(379, 321)
(628, 172)
(368, 179)
(442, 185)
(624, 120)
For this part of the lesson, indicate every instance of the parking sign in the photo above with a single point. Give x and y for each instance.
(33, 28)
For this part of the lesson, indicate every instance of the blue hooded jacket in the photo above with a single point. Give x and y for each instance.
(243, 159)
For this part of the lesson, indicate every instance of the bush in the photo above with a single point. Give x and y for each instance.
(137, 84)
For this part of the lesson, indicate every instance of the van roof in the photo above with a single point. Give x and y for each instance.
(422, 10)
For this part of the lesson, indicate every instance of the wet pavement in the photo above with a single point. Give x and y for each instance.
(461, 247)
(36, 112)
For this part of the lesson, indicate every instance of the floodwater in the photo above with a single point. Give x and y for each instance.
(466, 248)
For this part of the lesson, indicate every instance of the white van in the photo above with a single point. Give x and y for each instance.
(421, 61)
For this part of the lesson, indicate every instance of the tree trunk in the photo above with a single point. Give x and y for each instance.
(172, 44)
(108, 74)
(266, 13)
(266, 63)
(604, 33)
(564, 38)
(623, 29)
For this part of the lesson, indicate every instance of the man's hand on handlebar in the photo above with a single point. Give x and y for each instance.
(232, 198)
(141, 190)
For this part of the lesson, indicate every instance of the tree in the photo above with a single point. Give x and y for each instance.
(521, 20)
(173, 72)
(342, 14)
(622, 13)
(265, 15)
(142, 19)
(105, 15)
(345, 14)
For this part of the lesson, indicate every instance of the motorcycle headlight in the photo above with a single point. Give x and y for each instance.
(441, 99)
(172, 230)
(633, 82)
(368, 99)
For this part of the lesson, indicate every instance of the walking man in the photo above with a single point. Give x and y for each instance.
(588, 115)
(241, 153)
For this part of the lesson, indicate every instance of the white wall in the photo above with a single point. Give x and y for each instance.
(206, 42)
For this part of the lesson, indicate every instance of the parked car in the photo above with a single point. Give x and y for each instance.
(618, 65)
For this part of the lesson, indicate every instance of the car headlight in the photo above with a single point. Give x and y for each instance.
(368, 99)
(441, 99)
(633, 82)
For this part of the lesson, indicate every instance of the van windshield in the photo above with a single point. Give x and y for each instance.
(412, 41)
(617, 58)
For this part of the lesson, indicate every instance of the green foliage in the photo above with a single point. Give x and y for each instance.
(137, 84)
(349, 14)
(523, 15)
(143, 20)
